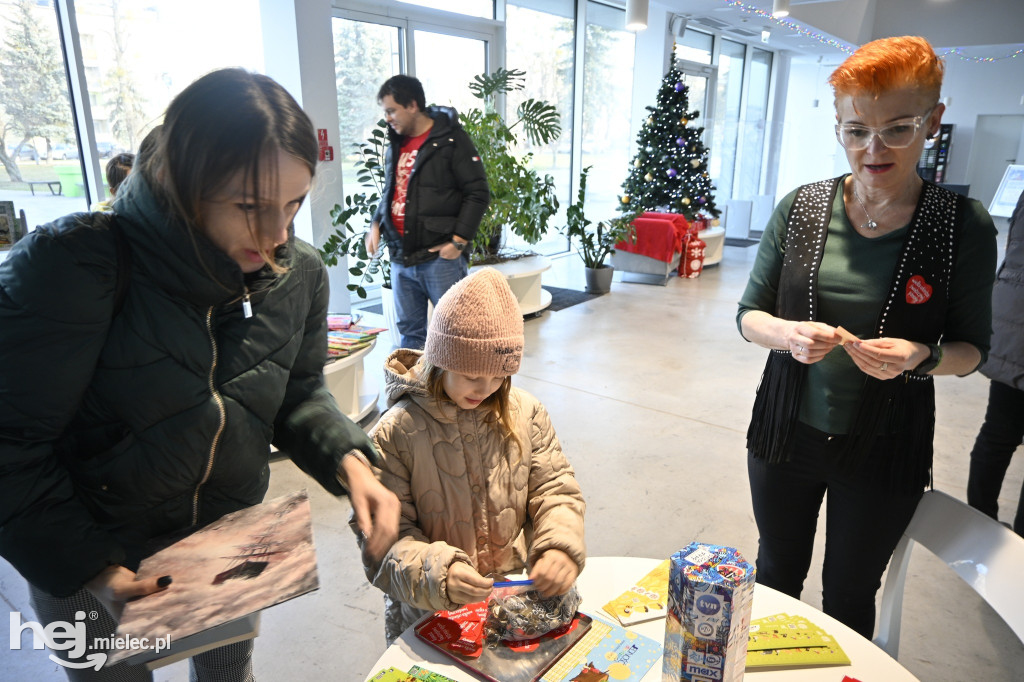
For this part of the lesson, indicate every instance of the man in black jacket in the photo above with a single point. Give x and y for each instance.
(435, 195)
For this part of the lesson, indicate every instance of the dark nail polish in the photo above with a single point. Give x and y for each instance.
(164, 581)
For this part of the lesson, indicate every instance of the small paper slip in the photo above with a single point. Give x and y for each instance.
(846, 336)
(784, 641)
(392, 675)
(418, 673)
(646, 600)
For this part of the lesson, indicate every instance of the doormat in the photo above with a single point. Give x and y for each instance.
(566, 298)
(736, 241)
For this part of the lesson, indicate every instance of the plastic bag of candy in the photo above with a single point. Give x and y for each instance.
(516, 612)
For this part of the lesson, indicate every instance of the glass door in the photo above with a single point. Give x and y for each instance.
(446, 64)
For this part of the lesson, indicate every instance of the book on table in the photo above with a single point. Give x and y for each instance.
(606, 651)
(782, 640)
(645, 600)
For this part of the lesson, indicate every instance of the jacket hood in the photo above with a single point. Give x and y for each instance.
(404, 377)
(183, 261)
(445, 119)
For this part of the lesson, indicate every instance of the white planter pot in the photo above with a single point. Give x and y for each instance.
(387, 303)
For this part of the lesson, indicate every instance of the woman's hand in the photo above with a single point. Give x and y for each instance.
(465, 585)
(809, 341)
(554, 573)
(373, 239)
(115, 585)
(886, 358)
(377, 509)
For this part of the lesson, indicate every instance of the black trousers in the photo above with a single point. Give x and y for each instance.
(864, 522)
(999, 437)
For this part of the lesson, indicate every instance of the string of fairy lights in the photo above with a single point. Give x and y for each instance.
(956, 52)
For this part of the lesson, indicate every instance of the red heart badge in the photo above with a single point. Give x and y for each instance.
(918, 291)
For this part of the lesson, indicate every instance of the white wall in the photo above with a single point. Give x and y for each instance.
(977, 89)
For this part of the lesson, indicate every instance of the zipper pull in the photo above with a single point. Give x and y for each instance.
(246, 305)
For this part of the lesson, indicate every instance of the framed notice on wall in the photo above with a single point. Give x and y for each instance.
(1008, 193)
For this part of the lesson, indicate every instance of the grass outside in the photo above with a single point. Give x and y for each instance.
(32, 171)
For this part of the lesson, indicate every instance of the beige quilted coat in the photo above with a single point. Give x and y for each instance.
(463, 497)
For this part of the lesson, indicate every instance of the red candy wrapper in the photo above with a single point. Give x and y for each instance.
(460, 631)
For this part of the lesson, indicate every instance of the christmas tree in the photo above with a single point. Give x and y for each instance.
(670, 169)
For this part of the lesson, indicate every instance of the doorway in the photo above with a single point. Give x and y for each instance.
(998, 140)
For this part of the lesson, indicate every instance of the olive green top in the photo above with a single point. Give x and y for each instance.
(854, 279)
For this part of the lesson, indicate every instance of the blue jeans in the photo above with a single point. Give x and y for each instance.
(863, 524)
(414, 285)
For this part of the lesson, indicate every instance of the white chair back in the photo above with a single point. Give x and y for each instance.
(986, 554)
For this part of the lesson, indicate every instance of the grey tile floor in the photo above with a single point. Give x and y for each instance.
(650, 390)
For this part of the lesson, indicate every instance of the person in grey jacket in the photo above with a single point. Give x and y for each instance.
(435, 195)
(1003, 429)
(152, 355)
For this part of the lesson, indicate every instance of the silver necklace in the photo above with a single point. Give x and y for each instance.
(870, 224)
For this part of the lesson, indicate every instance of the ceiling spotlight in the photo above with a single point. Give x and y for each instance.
(766, 33)
(636, 15)
(780, 8)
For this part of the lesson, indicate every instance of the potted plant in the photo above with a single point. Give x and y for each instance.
(595, 245)
(353, 219)
(521, 199)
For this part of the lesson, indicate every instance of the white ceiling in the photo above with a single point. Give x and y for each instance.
(985, 28)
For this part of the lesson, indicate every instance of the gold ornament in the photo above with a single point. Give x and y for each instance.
(625, 199)
(650, 120)
(636, 164)
(684, 121)
(716, 222)
(705, 174)
(694, 162)
(686, 201)
(648, 177)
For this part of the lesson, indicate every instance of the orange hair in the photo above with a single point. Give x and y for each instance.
(888, 64)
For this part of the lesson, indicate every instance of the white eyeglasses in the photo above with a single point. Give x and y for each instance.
(895, 135)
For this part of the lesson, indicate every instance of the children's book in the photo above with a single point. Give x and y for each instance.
(524, 661)
(784, 641)
(607, 651)
(424, 674)
(786, 632)
(393, 675)
(646, 600)
(223, 575)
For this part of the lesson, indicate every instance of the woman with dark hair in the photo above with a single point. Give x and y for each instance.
(905, 268)
(118, 168)
(151, 357)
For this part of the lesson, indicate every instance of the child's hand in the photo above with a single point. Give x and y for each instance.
(465, 585)
(554, 573)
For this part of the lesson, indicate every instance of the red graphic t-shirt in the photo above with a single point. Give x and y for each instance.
(410, 148)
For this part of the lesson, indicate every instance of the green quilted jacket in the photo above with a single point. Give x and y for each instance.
(118, 428)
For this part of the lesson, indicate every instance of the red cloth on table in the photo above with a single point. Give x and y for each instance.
(656, 235)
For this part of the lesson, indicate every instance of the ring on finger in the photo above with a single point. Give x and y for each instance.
(884, 367)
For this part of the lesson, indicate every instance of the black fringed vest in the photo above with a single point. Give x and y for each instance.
(902, 409)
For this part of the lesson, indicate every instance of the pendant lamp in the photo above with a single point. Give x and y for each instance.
(636, 15)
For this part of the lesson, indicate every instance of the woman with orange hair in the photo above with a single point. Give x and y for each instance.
(897, 273)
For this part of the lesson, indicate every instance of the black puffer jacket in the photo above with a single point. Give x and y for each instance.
(447, 192)
(1006, 359)
(118, 430)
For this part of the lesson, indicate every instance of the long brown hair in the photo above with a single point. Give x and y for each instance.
(497, 406)
(226, 122)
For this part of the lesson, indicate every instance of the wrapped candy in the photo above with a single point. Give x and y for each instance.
(517, 612)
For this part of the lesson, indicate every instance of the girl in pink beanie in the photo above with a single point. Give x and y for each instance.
(484, 486)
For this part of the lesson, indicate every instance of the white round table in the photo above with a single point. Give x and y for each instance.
(607, 577)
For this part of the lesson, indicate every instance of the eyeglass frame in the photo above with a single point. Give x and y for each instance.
(918, 122)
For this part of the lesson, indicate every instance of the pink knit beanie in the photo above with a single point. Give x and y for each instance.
(477, 328)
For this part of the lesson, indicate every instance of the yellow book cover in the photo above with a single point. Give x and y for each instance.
(646, 600)
(786, 632)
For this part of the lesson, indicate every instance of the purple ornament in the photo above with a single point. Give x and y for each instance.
(679, 86)
(680, 141)
(702, 200)
(672, 172)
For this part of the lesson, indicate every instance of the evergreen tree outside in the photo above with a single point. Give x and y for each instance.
(128, 115)
(33, 92)
(670, 169)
